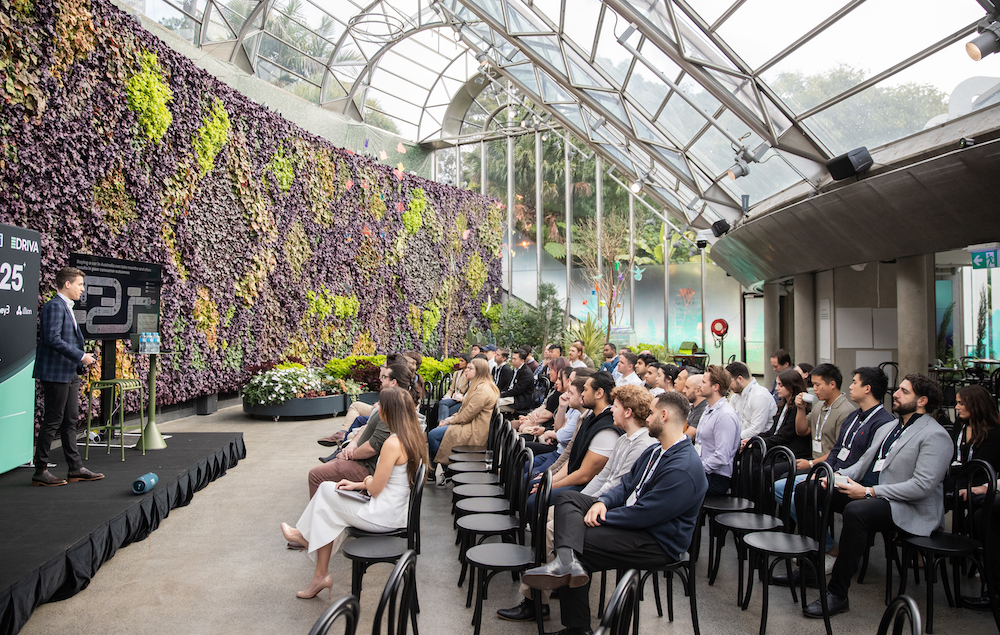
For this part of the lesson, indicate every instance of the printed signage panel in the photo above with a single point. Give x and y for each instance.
(121, 297)
(20, 262)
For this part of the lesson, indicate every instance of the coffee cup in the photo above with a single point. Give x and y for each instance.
(808, 397)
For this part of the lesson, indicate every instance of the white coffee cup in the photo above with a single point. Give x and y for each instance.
(808, 397)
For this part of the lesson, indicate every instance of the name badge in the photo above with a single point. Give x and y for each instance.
(879, 464)
(817, 447)
(843, 454)
(631, 499)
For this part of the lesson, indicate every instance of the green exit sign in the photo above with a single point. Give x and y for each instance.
(984, 259)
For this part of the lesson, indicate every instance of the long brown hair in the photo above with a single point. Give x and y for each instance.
(398, 410)
(793, 383)
(483, 376)
(983, 413)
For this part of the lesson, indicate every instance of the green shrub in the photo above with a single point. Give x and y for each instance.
(211, 136)
(148, 95)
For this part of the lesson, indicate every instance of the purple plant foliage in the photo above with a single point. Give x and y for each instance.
(87, 131)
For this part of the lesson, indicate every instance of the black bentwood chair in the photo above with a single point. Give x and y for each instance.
(623, 607)
(348, 607)
(398, 604)
(900, 608)
(746, 522)
(966, 541)
(809, 545)
(744, 472)
(371, 548)
(490, 559)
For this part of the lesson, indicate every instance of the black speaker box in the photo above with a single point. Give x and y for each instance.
(851, 164)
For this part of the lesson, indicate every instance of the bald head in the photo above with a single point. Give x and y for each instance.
(691, 388)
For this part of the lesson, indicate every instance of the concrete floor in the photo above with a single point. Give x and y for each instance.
(220, 566)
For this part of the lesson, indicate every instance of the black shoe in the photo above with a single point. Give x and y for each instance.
(83, 474)
(782, 580)
(835, 603)
(981, 603)
(574, 630)
(554, 575)
(326, 459)
(47, 479)
(523, 612)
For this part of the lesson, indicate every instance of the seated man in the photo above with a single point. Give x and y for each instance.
(692, 390)
(646, 521)
(357, 459)
(718, 431)
(896, 485)
(752, 402)
(539, 420)
(626, 367)
(517, 397)
(571, 411)
(595, 437)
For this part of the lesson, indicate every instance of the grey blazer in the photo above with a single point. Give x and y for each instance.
(913, 477)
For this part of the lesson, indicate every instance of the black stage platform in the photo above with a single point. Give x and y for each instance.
(54, 539)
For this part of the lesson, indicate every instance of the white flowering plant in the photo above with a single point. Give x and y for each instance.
(281, 384)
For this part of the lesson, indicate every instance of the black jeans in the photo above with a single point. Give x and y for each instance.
(62, 412)
(718, 484)
(862, 518)
(599, 549)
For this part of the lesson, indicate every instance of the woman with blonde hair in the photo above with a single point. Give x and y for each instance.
(471, 424)
(323, 525)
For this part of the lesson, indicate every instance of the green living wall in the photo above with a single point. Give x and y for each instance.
(276, 243)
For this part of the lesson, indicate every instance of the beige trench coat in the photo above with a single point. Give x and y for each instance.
(471, 424)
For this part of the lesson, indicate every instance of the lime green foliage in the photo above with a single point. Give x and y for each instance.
(249, 286)
(413, 217)
(206, 316)
(288, 365)
(320, 304)
(475, 273)
(492, 314)
(298, 249)
(281, 167)
(148, 95)
(658, 351)
(211, 136)
(431, 318)
(326, 177)
(414, 317)
(345, 306)
(461, 223)
(341, 366)
(112, 199)
(197, 359)
(430, 367)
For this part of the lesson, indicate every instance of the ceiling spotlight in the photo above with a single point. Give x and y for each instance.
(481, 57)
(965, 142)
(636, 187)
(740, 169)
(545, 136)
(987, 42)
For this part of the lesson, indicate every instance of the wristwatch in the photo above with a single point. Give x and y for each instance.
(869, 493)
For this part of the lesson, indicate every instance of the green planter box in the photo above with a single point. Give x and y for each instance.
(316, 406)
(370, 398)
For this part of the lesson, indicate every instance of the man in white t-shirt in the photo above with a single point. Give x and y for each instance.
(626, 366)
(751, 401)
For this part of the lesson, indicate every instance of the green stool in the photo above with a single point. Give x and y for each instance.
(119, 388)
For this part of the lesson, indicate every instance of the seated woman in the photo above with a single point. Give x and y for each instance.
(471, 424)
(783, 432)
(323, 525)
(452, 400)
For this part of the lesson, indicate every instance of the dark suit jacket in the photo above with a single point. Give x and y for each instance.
(60, 344)
(504, 377)
(523, 389)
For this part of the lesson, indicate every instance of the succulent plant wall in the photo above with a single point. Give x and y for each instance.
(275, 242)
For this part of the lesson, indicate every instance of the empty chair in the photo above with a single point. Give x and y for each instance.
(348, 607)
(623, 607)
(398, 604)
(900, 608)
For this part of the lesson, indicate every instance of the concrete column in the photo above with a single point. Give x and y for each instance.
(772, 329)
(804, 301)
(913, 286)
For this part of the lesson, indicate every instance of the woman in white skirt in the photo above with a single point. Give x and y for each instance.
(323, 525)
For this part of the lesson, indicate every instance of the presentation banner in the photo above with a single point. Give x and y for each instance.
(20, 261)
(121, 297)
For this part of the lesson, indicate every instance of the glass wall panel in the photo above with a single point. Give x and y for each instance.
(447, 170)
(981, 312)
(754, 315)
(525, 249)
(472, 173)
(554, 214)
(496, 186)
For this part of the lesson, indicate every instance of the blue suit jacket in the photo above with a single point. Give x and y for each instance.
(60, 344)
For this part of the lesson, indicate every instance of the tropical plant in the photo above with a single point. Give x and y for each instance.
(606, 258)
(591, 332)
(945, 352)
(984, 344)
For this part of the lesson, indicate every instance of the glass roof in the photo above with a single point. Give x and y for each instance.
(673, 91)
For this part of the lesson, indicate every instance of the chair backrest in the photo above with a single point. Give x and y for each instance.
(542, 388)
(746, 468)
(817, 502)
(345, 606)
(397, 602)
(413, 516)
(975, 473)
(520, 477)
(776, 458)
(902, 606)
(624, 601)
(538, 524)
(496, 427)
(510, 470)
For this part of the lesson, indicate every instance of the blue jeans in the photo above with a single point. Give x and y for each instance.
(779, 495)
(358, 422)
(434, 438)
(448, 407)
(543, 462)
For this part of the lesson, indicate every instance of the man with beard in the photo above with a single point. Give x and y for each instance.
(896, 485)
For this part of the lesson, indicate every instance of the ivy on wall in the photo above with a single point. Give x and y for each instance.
(274, 242)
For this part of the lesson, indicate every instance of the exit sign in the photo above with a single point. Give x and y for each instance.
(984, 259)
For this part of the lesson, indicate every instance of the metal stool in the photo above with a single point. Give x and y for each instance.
(118, 387)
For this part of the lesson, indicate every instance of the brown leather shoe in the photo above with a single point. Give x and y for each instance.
(334, 439)
(47, 479)
(83, 474)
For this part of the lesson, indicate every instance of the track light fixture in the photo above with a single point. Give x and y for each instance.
(988, 40)
(481, 58)
(637, 185)
(740, 169)
(744, 158)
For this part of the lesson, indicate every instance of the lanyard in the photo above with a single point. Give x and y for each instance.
(883, 451)
(781, 419)
(849, 443)
(819, 431)
(649, 472)
(959, 442)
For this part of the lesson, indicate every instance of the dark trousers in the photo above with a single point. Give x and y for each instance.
(555, 492)
(540, 448)
(62, 412)
(718, 484)
(862, 518)
(599, 549)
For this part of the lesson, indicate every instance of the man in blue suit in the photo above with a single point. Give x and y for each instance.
(59, 363)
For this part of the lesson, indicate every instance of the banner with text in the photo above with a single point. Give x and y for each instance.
(121, 297)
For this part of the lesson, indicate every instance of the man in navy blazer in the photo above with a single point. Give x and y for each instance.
(646, 521)
(59, 362)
